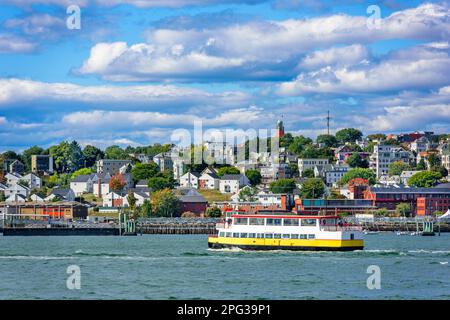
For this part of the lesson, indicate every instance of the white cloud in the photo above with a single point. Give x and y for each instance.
(256, 50)
(341, 56)
(413, 68)
(18, 90)
(14, 44)
(36, 24)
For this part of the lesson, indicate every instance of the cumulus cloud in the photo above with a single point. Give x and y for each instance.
(14, 44)
(421, 67)
(256, 50)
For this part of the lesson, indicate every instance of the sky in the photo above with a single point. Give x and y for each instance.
(138, 70)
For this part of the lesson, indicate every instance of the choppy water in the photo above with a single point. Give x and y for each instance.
(181, 267)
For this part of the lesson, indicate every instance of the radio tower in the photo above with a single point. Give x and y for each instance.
(328, 122)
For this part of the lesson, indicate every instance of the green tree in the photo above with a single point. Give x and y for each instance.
(247, 194)
(433, 160)
(254, 176)
(421, 165)
(348, 135)
(79, 172)
(327, 139)
(144, 171)
(213, 212)
(298, 144)
(165, 203)
(67, 156)
(396, 168)
(358, 173)
(403, 209)
(312, 188)
(24, 183)
(91, 154)
(440, 169)
(424, 179)
(227, 170)
(145, 210)
(355, 161)
(376, 136)
(282, 186)
(308, 173)
(115, 152)
(160, 182)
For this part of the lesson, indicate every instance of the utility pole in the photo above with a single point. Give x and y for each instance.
(328, 122)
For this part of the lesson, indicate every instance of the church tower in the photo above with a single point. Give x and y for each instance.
(280, 129)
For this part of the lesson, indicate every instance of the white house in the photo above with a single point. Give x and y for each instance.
(82, 183)
(34, 182)
(331, 172)
(17, 189)
(305, 163)
(16, 198)
(209, 180)
(13, 178)
(100, 184)
(405, 175)
(232, 183)
(190, 179)
(37, 198)
(120, 199)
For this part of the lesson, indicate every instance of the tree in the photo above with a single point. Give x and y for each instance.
(421, 165)
(227, 170)
(396, 168)
(348, 135)
(117, 182)
(312, 188)
(293, 168)
(24, 183)
(308, 173)
(403, 209)
(376, 136)
(159, 183)
(67, 156)
(91, 154)
(355, 161)
(131, 199)
(82, 171)
(254, 176)
(298, 144)
(433, 160)
(145, 210)
(440, 169)
(327, 139)
(144, 171)
(247, 194)
(213, 212)
(282, 186)
(115, 152)
(165, 203)
(424, 179)
(358, 173)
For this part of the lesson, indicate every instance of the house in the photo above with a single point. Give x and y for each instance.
(42, 164)
(35, 197)
(164, 161)
(34, 182)
(232, 183)
(100, 184)
(16, 198)
(190, 179)
(209, 180)
(83, 183)
(3, 187)
(444, 151)
(194, 202)
(120, 199)
(405, 175)
(142, 183)
(46, 210)
(16, 166)
(61, 194)
(331, 173)
(306, 163)
(17, 189)
(7, 164)
(389, 181)
(274, 172)
(13, 178)
(111, 166)
(342, 153)
(384, 155)
(420, 145)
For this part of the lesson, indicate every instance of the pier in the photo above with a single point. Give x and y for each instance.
(176, 226)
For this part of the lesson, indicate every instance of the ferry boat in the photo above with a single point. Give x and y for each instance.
(286, 232)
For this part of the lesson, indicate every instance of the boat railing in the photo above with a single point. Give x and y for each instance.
(340, 228)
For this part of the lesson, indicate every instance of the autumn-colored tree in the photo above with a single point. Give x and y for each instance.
(117, 182)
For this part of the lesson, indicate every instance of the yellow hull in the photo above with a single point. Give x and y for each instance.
(285, 244)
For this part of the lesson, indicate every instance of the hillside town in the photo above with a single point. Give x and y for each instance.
(346, 173)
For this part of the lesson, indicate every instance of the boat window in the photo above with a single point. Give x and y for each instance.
(286, 236)
(228, 234)
(268, 236)
(294, 236)
(274, 222)
(252, 235)
(235, 235)
(243, 235)
(311, 236)
(241, 221)
(308, 222)
(260, 235)
(290, 222)
(303, 236)
(221, 234)
(256, 221)
(277, 235)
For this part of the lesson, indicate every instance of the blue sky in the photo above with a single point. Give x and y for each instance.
(138, 70)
